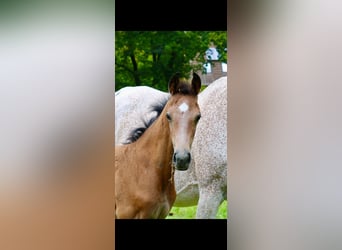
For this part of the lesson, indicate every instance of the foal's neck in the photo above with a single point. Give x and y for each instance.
(157, 143)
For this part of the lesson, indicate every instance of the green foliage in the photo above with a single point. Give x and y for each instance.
(203, 87)
(190, 212)
(152, 57)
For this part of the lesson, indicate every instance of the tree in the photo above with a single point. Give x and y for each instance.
(152, 57)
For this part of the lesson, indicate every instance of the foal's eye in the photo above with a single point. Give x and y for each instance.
(197, 118)
(168, 116)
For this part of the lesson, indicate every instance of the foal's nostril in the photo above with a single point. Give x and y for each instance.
(188, 157)
(181, 160)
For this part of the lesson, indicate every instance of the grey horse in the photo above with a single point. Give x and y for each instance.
(205, 182)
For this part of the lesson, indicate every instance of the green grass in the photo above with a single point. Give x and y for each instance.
(190, 212)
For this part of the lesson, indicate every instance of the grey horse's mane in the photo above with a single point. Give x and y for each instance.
(136, 133)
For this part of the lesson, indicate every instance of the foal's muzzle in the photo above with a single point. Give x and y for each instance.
(181, 160)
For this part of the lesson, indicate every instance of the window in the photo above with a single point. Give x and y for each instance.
(207, 67)
(224, 67)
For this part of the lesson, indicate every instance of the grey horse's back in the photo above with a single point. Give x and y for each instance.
(132, 109)
(210, 149)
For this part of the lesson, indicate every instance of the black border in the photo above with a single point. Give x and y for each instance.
(171, 234)
(175, 15)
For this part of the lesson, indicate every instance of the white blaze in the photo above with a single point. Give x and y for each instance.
(183, 107)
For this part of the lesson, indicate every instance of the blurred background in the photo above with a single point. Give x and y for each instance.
(284, 125)
(56, 124)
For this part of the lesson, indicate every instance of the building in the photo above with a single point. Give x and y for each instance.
(214, 68)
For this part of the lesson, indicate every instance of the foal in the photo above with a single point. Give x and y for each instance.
(144, 169)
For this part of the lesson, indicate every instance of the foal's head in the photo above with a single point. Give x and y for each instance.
(183, 113)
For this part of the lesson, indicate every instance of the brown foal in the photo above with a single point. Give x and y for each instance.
(144, 184)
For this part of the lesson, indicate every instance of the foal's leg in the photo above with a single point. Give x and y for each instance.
(127, 212)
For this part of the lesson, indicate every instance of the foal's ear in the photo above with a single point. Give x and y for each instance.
(173, 83)
(196, 83)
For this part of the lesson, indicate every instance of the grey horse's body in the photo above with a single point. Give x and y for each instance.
(132, 108)
(205, 182)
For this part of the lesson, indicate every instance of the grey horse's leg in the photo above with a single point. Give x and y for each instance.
(186, 187)
(210, 199)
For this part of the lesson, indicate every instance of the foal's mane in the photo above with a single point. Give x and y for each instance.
(136, 133)
(184, 88)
